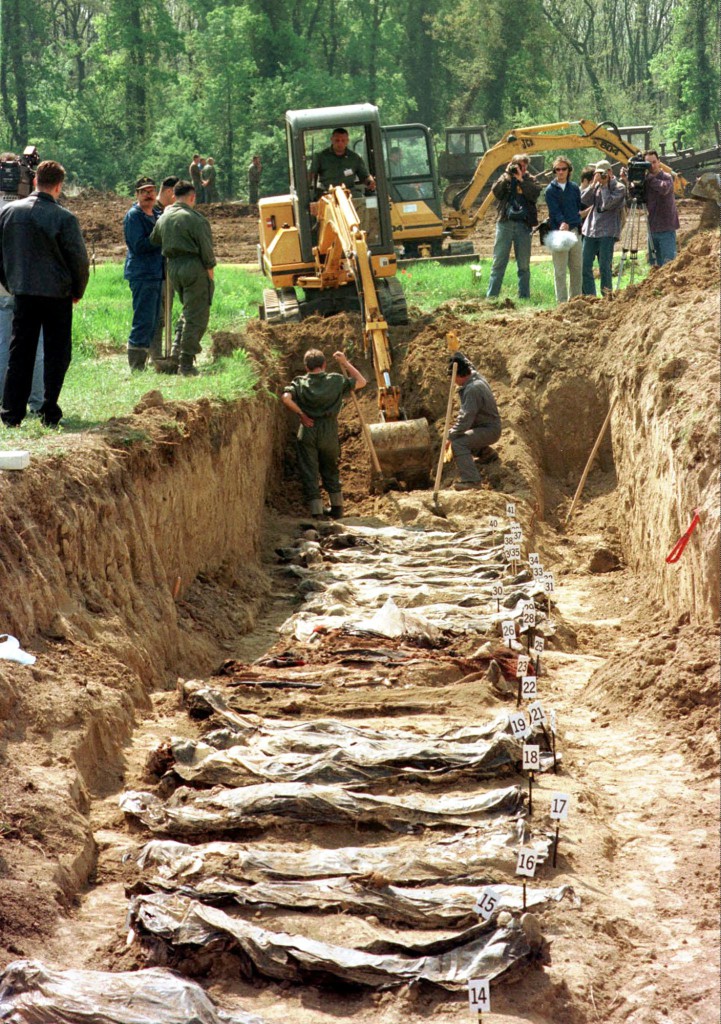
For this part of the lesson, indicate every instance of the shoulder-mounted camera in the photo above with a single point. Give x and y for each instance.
(17, 174)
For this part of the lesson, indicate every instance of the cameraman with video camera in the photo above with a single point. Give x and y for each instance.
(602, 227)
(663, 221)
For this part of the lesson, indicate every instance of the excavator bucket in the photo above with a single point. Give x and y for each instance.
(404, 451)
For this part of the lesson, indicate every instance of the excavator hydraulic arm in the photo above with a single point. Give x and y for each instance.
(536, 139)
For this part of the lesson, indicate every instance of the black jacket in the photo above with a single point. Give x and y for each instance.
(42, 251)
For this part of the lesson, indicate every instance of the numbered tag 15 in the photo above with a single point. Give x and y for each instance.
(487, 902)
(479, 995)
(559, 806)
(526, 863)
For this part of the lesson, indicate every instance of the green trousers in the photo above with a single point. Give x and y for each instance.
(189, 279)
(318, 454)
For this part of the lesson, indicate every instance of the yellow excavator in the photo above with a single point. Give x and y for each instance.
(426, 229)
(336, 249)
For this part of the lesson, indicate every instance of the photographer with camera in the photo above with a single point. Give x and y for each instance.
(601, 229)
(517, 193)
(11, 177)
(663, 222)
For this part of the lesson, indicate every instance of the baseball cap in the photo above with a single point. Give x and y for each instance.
(603, 165)
(144, 182)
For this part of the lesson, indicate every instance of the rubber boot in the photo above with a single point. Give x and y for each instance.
(316, 509)
(336, 505)
(187, 366)
(136, 358)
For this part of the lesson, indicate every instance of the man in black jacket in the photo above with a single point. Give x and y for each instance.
(44, 265)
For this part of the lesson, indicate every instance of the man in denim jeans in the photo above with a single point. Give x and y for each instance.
(663, 220)
(606, 197)
(514, 184)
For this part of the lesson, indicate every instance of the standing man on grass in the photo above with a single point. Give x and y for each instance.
(44, 265)
(187, 244)
(143, 271)
(165, 201)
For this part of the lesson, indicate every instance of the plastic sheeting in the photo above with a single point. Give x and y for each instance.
(188, 812)
(423, 907)
(482, 951)
(467, 856)
(330, 752)
(31, 993)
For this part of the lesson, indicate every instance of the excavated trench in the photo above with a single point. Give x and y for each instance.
(302, 822)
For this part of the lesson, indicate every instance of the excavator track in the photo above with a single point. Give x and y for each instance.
(281, 306)
(392, 301)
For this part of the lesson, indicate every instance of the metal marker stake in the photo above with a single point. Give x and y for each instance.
(530, 806)
(524, 893)
(518, 698)
(498, 606)
(545, 736)
(555, 846)
(538, 665)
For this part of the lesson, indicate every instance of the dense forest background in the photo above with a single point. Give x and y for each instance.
(115, 88)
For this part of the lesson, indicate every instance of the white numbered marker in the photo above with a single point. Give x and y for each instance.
(559, 806)
(493, 523)
(531, 757)
(536, 714)
(497, 591)
(538, 644)
(514, 551)
(511, 509)
(526, 863)
(534, 559)
(487, 902)
(518, 724)
(548, 583)
(507, 540)
(479, 995)
(516, 532)
(529, 687)
(508, 629)
(538, 572)
(522, 666)
(528, 615)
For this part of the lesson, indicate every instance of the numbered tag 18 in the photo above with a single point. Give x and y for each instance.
(559, 806)
(479, 995)
(526, 863)
(531, 757)
(487, 902)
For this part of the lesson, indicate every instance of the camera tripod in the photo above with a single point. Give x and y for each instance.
(634, 231)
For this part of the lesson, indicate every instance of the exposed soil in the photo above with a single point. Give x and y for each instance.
(146, 552)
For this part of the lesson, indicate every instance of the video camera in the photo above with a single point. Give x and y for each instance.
(637, 170)
(17, 175)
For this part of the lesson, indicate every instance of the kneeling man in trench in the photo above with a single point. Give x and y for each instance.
(316, 399)
(477, 425)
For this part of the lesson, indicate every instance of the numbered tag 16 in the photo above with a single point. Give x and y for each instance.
(479, 995)
(526, 863)
(487, 902)
(559, 806)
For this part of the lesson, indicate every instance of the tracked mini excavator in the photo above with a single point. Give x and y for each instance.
(336, 249)
(427, 228)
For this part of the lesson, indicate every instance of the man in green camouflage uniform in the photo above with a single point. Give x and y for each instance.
(316, 399)
(187, 245)
(338, 165)
(209, 176)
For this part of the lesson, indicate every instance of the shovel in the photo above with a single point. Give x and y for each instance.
(453, 346)
(378, 480)
(166, 364)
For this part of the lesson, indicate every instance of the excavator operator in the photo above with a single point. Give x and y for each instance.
(338, 165)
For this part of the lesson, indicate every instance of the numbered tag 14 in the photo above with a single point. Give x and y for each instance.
(479, 995)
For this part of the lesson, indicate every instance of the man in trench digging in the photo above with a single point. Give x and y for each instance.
(316, 399)
(477, 425)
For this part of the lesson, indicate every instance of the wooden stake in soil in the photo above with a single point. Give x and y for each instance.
(453, 346)
(591, 457)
